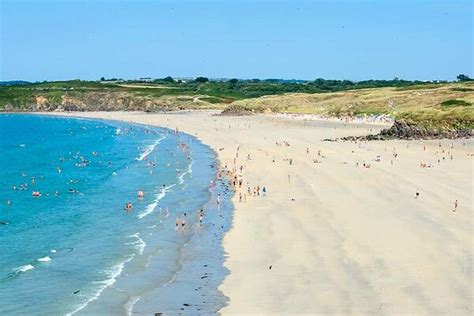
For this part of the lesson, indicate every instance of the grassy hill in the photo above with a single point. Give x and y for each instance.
(446, 105)
(438, 105)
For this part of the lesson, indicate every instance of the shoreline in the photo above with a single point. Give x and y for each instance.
(142, 294)
(323, 254)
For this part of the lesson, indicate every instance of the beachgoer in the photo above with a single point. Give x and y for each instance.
(177, 223)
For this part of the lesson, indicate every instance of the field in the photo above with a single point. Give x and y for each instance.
(446, 105)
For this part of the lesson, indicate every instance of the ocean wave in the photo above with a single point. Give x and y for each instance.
(189, 170)
(149, 149)
(129, 305)
(24, 268)
(148, 209)
(44, 259)
(113, 273)
(151, 207)
(140, 244)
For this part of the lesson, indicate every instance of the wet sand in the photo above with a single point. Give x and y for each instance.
(332, 236)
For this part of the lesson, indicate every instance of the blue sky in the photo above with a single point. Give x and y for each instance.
(56, 40)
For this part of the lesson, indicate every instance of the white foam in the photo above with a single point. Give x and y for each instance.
(129, 306)
(189, 170)
(148, 210)
(140, 244)
(113, 273)
(149, 149)
(151, 207)
(53, 251)
(24, 268)
(44, 259)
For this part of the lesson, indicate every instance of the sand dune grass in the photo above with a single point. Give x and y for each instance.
(424, 104)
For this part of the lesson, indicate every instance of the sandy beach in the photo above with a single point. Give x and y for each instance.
(341, 229)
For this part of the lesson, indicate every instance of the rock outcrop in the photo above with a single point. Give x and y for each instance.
(407, 130)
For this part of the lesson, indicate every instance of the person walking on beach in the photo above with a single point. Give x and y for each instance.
(455, 205)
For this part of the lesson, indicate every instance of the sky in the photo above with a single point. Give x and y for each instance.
(355, 40)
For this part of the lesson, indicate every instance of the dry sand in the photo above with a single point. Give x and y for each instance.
(354, 240)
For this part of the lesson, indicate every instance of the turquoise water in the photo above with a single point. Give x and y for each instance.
(74, 249)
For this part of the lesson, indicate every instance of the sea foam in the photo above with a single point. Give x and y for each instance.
(24, 268)
(140, 244)
(113, 273)
(189, 170)
(149, 149)
(44, 259)
(151, 207)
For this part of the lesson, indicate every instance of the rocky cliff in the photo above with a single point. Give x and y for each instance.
(112, 101)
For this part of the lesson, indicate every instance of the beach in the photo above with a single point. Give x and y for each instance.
(343, 227)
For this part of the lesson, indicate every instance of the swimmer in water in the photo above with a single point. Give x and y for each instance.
(128, 207)
(177, 223)
(140, 194)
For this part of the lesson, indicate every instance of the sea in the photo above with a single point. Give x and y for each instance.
(69, 246)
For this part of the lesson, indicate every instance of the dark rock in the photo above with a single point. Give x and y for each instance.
(233, 110)
(407, 130)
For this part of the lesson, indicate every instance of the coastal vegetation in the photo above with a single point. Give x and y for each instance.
(431, 104)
